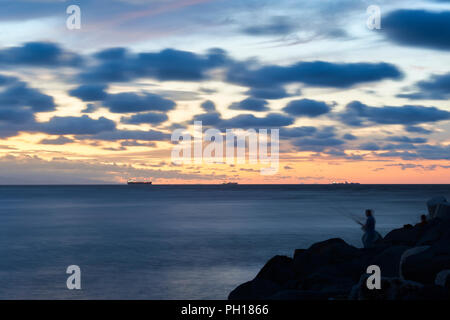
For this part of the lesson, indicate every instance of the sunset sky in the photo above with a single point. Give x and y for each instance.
(99, 104)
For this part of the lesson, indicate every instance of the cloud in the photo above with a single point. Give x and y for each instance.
(119, 65)
(115, 135)
(6, 80)
(75, 125)
(39, 54)
(359, 114)
(272, 120)
(297, 132)
(418, 28)
(19, 95)
(417, 129)
(149, 117)
(278, 26)
(208, 105)
(16, 116)
(128, 102)
(406, 139)
(34, 170)
(315, 74)
(250, 104)
(349, 136)
(369, 146)
(435, 88)
(316, 144)
(422, 151)
(58, 141)
(209, 119)
(307, 108)
(268, 93)
(90, 108)
(90, 92)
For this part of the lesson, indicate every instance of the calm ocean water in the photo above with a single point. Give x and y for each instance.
(176, 242)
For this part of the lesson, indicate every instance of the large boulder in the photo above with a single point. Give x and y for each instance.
(433, 203)
(404, 236)
(275, 275)
(443, 211)
(328, 284)
(435, 230)
(325, 253)
(279, 269)
(425, 265)
(443, 279)
(389, 260)
(257, 289)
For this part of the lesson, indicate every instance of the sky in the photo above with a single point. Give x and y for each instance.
(99, 104)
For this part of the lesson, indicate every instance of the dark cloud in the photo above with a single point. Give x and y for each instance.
(16, 116)
(128, 102)
(417, 129)
(278, 26)
(39, 54)
(250, 104)
(349, 136)
(208, 105)
(315, 73)
(6, 80)
(268, 93)
(90, 108)
(307, 108)
(369, 146)
(209, 119)
(58, 141)
(359, 114)
(435, 88)
(424, 151)
(119, 65)
(149, 117)
(115, 135)
(75, 125)
(272, 120)
(406, 139)
(90, 92)
(297, 132)
(418, 28)
(19, 95)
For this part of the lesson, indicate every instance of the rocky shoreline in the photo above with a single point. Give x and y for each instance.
(414, 263)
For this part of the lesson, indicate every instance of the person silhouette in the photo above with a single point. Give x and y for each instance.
(370, 236)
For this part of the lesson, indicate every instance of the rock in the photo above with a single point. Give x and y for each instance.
(443, 279)
(443, 211)
(324, 253)
(406, 254)
(433, 203)
(434, 231)
(275, 274)
(424, 266)
(391, 289)
(256, 289)
(325, 283)
(404, 236)
(389, 260)
(279, 269)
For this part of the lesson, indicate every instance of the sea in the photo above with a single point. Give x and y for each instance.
(178, 241)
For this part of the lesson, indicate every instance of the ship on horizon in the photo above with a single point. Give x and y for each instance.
(132, 181)
(345, 183)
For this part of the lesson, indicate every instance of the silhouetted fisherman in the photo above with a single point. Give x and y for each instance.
(370, 236)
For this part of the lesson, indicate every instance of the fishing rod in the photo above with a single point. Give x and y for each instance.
(350, 216)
